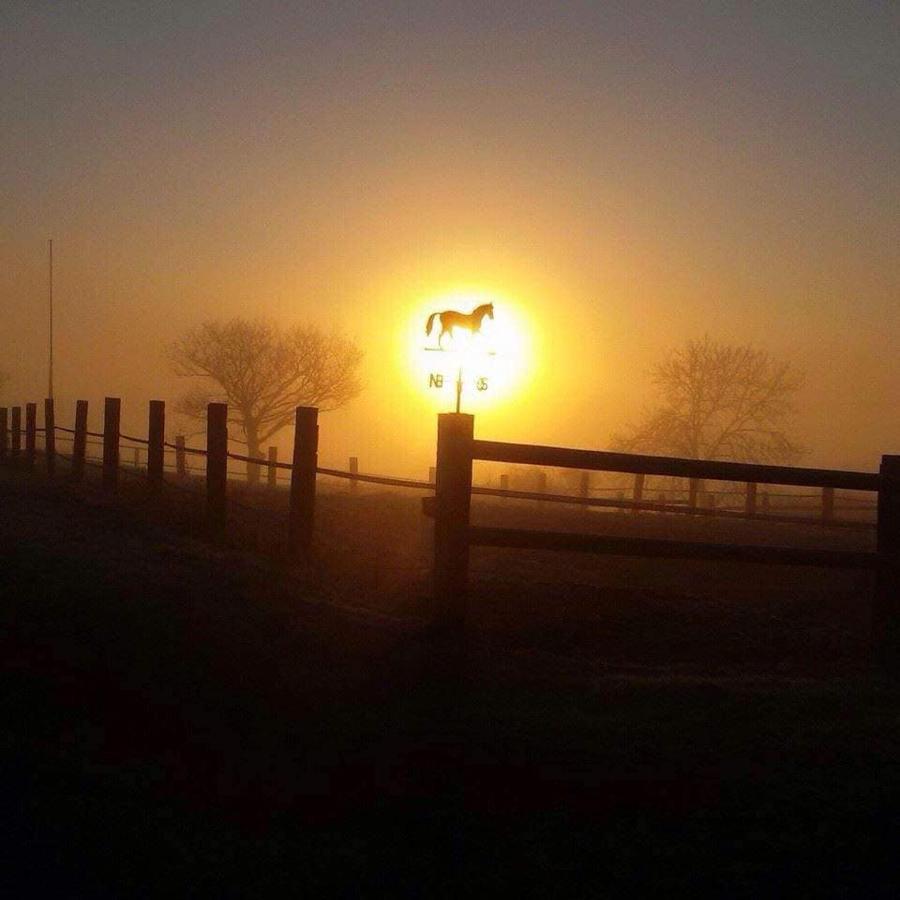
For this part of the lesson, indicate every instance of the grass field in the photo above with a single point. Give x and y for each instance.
(188, 719)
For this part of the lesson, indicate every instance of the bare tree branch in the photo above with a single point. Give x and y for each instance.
(264, 372)
(719, 401)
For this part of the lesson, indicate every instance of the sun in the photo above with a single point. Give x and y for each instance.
(491, 359)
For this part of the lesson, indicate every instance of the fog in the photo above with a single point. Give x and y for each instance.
(625, 180)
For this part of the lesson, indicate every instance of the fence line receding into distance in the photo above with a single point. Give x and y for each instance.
(451, 482)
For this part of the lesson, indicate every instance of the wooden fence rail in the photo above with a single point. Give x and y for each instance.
(457, 450)
(601, 460)
(303, 469)
(451, 481)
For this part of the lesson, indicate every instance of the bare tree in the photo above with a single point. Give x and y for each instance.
(719, 401)
(263, 372)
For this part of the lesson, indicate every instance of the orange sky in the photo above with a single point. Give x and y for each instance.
(627, 178)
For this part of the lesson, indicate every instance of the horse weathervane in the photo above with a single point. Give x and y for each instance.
(451, 320)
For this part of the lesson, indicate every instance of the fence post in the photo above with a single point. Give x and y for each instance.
(453, 497)
(4, 433)
(693, 488)
(354, 470)
(156, 443)
(112, 411)
(827, 504)
(79, 440)
(16, 442)
(638, 492)
(180, 457)
(750, 500)
(886, 617)
(216, 466)
(30, 433)
(50, 435)
(303, 479)
(272, 470)
(584, 491)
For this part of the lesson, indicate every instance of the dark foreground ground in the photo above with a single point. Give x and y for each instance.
(190, 721)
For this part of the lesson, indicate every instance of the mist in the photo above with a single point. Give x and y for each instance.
(627, 182)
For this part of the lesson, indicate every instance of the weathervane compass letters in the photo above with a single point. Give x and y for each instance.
(452, 320)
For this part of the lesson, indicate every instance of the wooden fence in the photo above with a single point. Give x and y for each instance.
(457, 449)
(302, 470)
(451, 483)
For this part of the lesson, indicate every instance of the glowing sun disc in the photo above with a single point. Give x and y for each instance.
(493, 360)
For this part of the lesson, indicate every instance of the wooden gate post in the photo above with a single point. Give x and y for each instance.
(354, 470)
(50, 436)
(453, 497)
(79, 441)
(156, 444)
(886, 617)
(216, 467)
(272, 471)
(112, 412)
(16, 442)
(4, 433)
(303, 479)
(30, 433)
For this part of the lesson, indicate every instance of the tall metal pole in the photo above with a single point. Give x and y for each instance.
(50, 386)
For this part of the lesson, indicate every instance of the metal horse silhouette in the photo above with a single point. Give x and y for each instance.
(451, 319)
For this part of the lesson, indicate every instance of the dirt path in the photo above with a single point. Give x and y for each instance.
(183, 719)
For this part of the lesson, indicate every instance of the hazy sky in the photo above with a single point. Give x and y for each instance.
(630, 174)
